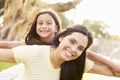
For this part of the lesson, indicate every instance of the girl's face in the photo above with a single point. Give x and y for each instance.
(46, 27)
(72, 46)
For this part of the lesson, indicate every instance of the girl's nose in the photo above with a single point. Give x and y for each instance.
(43, 26)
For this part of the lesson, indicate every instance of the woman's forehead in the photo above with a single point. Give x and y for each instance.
(80, 38)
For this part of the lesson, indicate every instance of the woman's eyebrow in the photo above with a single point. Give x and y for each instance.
(81, 46)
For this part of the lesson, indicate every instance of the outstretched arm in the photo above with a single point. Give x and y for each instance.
(98, 68)
(104, 61)
(6, 55)
(11, 44)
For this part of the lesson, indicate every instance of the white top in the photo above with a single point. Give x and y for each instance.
(32, 56)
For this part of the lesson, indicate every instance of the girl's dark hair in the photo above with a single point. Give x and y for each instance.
(32, 37)
(73, 70)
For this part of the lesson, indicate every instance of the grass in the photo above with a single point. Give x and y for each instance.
(5, 65)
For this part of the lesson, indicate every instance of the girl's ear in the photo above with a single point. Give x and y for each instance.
(56, 30)
(61, 38)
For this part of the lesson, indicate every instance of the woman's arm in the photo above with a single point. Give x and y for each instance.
(6, 55)
(103, 60)
(11, 44)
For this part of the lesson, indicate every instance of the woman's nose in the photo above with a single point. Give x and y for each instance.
(74, 50)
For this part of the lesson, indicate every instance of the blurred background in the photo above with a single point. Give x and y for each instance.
(100, 16)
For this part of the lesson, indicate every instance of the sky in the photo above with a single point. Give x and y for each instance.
(105, 10)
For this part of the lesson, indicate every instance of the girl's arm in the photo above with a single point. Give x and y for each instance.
(103, 60)
(11, 44)
(101, 69)
(6, 55)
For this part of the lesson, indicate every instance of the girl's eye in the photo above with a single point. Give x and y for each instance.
(40, 23)
(49, 23)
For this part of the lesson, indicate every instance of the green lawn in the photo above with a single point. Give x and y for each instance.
(5, 65)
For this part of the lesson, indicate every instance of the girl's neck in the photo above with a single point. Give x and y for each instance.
(48, 40)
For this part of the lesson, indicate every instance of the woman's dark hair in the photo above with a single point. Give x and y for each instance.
(74, 69)
(32, 37)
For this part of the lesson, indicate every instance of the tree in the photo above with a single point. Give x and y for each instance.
(19, 14)
(99, 28)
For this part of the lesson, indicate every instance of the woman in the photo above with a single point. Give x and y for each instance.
(64, 60)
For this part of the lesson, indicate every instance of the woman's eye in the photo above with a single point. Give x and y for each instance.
(80, 49)
(72, 41)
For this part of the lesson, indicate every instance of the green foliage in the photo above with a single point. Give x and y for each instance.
(98, 28)
(114, 37)
(64, 21)
(2, 3)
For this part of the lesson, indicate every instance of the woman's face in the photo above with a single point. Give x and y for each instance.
(72, 46)
(46, 27)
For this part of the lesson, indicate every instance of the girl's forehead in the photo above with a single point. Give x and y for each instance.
(45, 14)
(45, 17)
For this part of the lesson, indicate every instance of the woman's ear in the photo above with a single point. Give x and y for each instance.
(61, 38)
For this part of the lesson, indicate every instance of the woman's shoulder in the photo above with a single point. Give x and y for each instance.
(32, 48)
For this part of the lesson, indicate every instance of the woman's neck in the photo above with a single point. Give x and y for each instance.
(55, 58)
